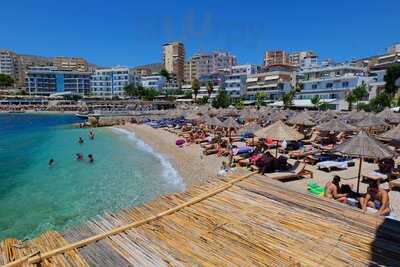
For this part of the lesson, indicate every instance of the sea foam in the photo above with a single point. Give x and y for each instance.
(169, 173)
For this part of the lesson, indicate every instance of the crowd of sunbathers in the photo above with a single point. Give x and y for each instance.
(376, 197)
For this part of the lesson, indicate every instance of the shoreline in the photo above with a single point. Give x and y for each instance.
(191, 166)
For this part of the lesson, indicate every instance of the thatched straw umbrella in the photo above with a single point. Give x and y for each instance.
(393, 134)
(252, 127)
(193, 117)
(213, 121)
(279, 131)
(302, 119)
(335, 125)
(356, 116)
(388, 115)
(371, 121)
(364, 146)
(278, 116)
(230, 123)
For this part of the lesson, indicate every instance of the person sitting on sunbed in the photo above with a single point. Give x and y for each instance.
(378, 197)
(332, 190)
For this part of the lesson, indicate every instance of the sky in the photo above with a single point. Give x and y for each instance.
(130, 33)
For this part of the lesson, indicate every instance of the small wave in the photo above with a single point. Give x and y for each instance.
(169, 173)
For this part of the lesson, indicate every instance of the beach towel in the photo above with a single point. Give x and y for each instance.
(180, 142)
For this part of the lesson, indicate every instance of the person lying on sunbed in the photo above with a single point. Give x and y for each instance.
(378, 197)
(332, 190)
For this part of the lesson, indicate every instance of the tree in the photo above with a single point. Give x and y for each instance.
(188, 95)
(298, 87)
(359, 92)
(130, 90)
(5, 80)
(195, 88)
(287, 99)
(210, 88)
(203, 100)
(222, 100)
(149, 94)
(239, 104)
(392, 74)
(378, 103)
(316, 101)
(260, 97)
(165, 74)
(350, 99)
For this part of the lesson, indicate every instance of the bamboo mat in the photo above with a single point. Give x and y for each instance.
(252, 222)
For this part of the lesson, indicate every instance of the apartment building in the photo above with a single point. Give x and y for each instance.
(174, 59)
(332, 82)
(70, 63)
(44, 81)
(111, 82)
(235, 82)
(11, 65)
(302, 58)
(272, 83)
(276, 57)
(205, 64)
(395, 48)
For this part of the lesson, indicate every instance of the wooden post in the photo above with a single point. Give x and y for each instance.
(276, 150)
(359, 175)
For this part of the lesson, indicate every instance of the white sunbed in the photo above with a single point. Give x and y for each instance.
(330, 164)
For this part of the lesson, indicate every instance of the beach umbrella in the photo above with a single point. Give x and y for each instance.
(393, 134)
(251, 127)
(213, 121)
(278, 116)
(356, 116)
(364, 146)
(388, 115)
(279, 131)
(248, 114)
(232, 112)
(230, 123)
(335, 125)
(192, 117)
(370, 121)
(301, 119)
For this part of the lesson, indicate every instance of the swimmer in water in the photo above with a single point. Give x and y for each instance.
(80, 140)
(91, 159)
(79, 156)
(51, 162)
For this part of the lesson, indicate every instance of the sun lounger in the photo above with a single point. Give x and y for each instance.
(299, 170)
(312, 139)
(298, 154)
(330, 164)
(375, 176)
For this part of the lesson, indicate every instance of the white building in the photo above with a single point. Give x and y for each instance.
(154, 81)
(111, 82)
(332, 83)
(235, 83)
(9, 65)
(395, 48)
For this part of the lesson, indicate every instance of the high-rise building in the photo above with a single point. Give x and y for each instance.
(276, 57)
(70, 63)
(10, 65)
(300, 58)
(44, 81)
(206, 64)
(174, 59)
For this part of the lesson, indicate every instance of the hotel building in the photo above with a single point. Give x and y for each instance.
(331, 83)
(205, 64)
(44, 81)
(174, 59)
(302, 58)
(276, 57)
(111, 82)
(154, 81)
(10, 65)
(70, 63)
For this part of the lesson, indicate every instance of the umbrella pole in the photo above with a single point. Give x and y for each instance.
(359, 175)
(276, 149)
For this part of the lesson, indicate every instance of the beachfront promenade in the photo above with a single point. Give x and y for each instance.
(242, 220)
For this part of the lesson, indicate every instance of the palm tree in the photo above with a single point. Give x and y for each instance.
(316, 101)
(350, 98)
(165, 74)
(359, 92)
(210, 88)
(287, 99)
(195, 88)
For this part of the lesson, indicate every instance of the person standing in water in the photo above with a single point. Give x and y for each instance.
(91, 159)
(79, 156)
(91, 135)
(80, 140)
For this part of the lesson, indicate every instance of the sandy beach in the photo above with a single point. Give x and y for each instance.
(188, 160)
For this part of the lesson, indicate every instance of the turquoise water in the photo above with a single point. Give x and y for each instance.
(35, 198)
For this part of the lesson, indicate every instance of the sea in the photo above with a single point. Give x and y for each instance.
(36, 197)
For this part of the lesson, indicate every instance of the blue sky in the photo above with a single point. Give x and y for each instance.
(123, 32)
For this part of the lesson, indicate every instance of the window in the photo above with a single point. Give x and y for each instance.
(345, 84)
(329, 85)
(314, 86)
